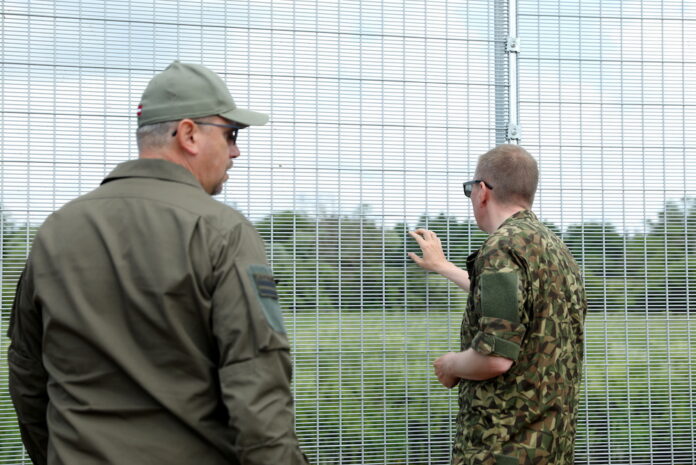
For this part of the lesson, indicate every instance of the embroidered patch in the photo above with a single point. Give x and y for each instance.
(261, 278)
(266, 285)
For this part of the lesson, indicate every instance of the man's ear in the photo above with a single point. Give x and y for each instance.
(188, 136)
(484, 194)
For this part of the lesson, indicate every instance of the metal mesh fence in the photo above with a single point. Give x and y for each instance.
(379, 110)
(606, 105)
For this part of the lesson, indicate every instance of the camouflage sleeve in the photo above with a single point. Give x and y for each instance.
(499, 337)
(500, 297)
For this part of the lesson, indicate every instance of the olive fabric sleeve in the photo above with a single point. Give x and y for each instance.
(28, 378)
(500, 296)
(255, 367)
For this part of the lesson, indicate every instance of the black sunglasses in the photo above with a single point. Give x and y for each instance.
(231, 136)
(469, 186)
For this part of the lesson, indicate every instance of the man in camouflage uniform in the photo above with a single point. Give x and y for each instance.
(521, 353)
(146, 326)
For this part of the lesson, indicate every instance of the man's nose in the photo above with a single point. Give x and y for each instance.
(234, 151)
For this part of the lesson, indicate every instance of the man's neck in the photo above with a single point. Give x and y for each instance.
(167, 155)
(500, 214)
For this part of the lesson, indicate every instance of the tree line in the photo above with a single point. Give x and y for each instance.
(352, 263)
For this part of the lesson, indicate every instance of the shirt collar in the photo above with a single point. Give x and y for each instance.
(520, 215)
(153, 168)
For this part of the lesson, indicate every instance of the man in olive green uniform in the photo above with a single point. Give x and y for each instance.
(146, 325)
(521, 353)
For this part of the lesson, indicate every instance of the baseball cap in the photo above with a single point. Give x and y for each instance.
(186, 90)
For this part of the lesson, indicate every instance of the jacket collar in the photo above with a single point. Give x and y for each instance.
(153, 168)
(520, 215)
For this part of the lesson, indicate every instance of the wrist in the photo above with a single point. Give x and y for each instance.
(446, 268)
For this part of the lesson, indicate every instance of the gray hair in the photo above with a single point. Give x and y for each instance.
(512, 172)
(154, 136)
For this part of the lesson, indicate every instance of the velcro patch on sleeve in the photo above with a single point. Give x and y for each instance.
(499, 337)
(499, 296)
(261, 278)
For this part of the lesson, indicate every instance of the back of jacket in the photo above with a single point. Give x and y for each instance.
(150, 311)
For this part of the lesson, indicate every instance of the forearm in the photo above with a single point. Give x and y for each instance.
(455, 274)
(470, 364)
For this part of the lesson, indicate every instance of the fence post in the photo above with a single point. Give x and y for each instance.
(507, 46)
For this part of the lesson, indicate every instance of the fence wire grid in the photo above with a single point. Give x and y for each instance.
(379, 110)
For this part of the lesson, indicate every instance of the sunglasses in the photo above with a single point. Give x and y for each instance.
(231, 136)
(469, 186)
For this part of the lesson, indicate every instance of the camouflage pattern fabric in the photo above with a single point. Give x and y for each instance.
(528, 414)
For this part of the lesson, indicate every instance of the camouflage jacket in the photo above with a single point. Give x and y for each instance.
(527, 303)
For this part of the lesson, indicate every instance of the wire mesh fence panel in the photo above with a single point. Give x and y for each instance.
(379, 110)
(606, 105)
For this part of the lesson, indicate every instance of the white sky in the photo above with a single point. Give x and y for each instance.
(351, 90)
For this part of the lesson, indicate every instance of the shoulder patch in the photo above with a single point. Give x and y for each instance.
(261, 278)
(499, 296)
(265, 284)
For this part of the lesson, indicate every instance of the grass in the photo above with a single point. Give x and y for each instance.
(365, 392)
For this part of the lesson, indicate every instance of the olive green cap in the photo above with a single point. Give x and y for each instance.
(191, 91)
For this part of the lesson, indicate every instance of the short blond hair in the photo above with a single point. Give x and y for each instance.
(512, 172)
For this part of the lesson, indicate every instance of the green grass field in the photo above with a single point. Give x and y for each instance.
(365, 392)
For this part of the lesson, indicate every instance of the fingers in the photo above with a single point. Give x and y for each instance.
(448, 381)
(424, 233)
(431, 246)
(415, 258)
(443, 376)
(451, 382)
(417, 235)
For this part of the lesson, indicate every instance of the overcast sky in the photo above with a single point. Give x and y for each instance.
(371, 103)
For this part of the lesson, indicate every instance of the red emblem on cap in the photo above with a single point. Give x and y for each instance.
(140, 109)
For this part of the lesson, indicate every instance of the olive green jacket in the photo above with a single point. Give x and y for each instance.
(146, 330)
(527, 303)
